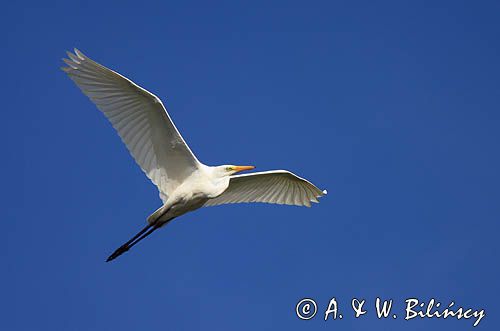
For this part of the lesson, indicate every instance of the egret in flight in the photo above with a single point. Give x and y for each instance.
(184, 183)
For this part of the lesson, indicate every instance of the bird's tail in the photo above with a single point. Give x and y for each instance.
(157, 214)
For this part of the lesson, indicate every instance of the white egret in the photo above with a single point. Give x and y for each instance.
(184, 183)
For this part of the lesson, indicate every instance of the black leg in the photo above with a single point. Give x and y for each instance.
(150, 228)
(125, 247)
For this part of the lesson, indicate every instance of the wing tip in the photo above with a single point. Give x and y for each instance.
(79, 54)
(74, 60)
(319, 195)
(70, 63)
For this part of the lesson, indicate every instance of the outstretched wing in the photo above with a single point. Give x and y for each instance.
(279, 186)
(140, 119)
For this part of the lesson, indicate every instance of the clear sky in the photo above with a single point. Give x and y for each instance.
(392, 106)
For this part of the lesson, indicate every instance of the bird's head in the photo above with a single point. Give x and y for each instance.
(228, 170)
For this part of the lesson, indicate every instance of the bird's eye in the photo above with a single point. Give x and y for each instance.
(229, 168)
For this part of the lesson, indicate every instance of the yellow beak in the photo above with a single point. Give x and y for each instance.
(242, 168)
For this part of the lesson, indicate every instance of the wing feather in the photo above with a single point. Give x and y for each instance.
(279, 187)
(141, 120)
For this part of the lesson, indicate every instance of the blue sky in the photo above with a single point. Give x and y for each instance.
(392, 106)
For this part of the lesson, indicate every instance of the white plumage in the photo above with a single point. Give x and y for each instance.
(278, 186)
(140, 119)
(184, 183)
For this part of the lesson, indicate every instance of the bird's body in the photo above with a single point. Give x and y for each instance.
(184, 183)
(192, 194)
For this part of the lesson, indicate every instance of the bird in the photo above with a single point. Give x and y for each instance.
(184, 183)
